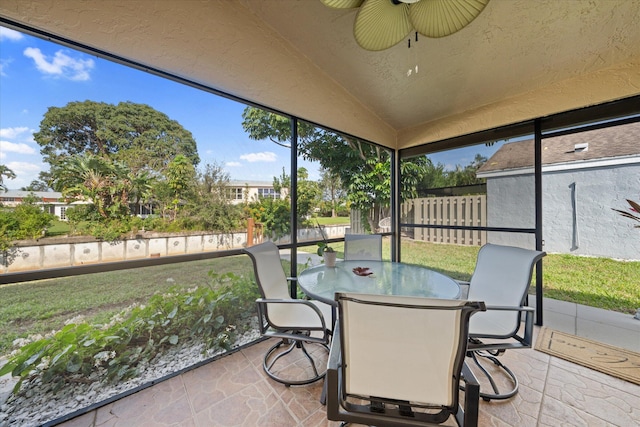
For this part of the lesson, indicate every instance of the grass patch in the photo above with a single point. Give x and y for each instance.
(340, 220)
(596, 282)
(44, 305)
(41, 306)
(58, 228)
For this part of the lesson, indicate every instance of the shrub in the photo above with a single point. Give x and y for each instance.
(25, 221)
(114, 352)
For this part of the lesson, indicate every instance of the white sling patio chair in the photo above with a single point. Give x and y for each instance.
(398, 361)
(501, 279)
(365, 247)
(296, 322)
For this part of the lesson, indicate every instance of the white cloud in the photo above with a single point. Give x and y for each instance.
(24, 168)
(265, 156)
(2, 155)
(12, 133)
(3, 64)
(233, 164)
(61, 65)
(6, 146)
(25, 173)
(9, 34)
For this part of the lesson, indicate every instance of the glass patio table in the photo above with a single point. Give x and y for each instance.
(386, 278)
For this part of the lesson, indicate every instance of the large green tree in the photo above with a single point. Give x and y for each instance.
(136, 135)
(333, 193)
(363, 168)
(210, 208)
(36, 185)
(467, 175)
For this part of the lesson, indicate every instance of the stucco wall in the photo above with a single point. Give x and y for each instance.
(584, 194)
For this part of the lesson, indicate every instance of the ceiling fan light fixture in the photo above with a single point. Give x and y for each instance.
(374, 15)
(381, 24)
(342, 4)
(440, 18)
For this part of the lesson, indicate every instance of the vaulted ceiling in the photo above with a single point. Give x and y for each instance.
(520, 59)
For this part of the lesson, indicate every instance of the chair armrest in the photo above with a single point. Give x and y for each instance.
(510, 308)
(524, 340)
(263, 302)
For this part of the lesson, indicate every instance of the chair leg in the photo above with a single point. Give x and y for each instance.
(496, 395)
(270, 361)
(468, 417)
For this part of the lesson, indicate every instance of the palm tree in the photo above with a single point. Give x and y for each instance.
(5, 172)
(92, 178)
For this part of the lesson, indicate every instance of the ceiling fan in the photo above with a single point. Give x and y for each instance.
(381, 24)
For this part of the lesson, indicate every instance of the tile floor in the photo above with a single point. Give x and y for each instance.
(234, 391)
(609, 327)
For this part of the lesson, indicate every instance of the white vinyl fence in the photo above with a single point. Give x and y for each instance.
(460, 211)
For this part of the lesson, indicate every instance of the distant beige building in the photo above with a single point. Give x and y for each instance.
(252, 191)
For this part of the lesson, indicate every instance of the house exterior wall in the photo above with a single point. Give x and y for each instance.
(576, 206)
(511, 203)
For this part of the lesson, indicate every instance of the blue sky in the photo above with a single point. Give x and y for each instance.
(36, 74)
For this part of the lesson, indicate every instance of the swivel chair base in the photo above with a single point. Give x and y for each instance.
(492, 356)
(272, 356)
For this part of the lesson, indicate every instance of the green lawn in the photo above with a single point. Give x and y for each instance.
(596, 282)
(58, 228)
(339, 220)
(41, 306)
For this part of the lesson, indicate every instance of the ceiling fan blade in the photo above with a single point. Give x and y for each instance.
(342, 4)
(381, 24)
(439, 18)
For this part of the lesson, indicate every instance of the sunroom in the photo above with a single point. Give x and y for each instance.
(521, 70)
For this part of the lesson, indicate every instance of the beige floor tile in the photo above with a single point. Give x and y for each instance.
(234, 391)
(593, 397)
(555, 414)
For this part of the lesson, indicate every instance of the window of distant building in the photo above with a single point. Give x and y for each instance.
(268, 192)
(237, 193)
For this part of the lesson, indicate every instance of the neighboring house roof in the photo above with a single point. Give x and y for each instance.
(241, 183)
(44, 195)
(607, 143)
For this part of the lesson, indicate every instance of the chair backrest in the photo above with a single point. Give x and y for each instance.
(501, 278)
(403, 348)
(268, 270)
(365, 247)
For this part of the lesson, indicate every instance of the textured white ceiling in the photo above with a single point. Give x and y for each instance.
(518, 60)
(513, 47)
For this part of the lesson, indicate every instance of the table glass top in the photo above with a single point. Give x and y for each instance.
(386, 278)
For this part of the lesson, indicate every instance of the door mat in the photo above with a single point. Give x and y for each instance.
(615, 361)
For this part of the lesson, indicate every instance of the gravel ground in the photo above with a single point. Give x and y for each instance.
(36, 404)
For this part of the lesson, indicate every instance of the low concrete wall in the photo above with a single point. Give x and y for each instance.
(66, 252)
(72, 251)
